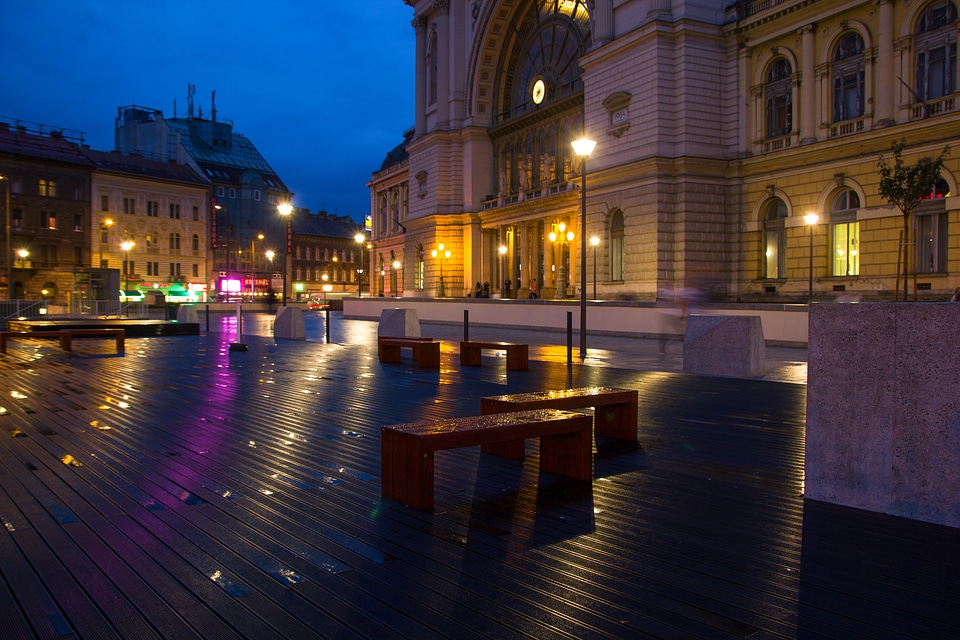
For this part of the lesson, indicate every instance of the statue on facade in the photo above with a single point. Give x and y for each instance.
(502, 191)
(523, 175)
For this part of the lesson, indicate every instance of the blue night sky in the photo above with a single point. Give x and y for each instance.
(323, 89)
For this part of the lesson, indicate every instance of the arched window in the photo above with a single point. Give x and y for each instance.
(775, 239)
(778, 97)
(848, 78)
(936, 46)
(616, 246)
(930, 223)
(846, 233)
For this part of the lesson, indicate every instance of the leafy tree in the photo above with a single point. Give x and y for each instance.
(904, 186)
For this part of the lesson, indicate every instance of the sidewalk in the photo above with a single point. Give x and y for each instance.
(784, 364)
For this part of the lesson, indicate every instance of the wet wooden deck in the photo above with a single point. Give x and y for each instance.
(184, 491)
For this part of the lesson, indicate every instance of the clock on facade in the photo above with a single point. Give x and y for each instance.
(539, 91)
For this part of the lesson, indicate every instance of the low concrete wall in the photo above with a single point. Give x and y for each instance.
(729, 346)
(399, 322)
(782, 324)
(883, 408)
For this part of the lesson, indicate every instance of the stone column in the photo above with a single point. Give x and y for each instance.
(808, 112)
(442, 8)
(603, 31)
(420, 26)
(885, 71)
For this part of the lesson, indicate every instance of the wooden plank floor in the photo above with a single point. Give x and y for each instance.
(184, 491)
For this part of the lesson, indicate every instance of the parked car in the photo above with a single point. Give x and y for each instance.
(315, 305)
(131, 296)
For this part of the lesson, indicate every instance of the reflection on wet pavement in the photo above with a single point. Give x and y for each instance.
(784, 364)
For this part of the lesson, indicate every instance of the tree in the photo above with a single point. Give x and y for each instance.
(904, 186)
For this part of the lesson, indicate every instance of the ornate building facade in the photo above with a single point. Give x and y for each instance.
(722, 128)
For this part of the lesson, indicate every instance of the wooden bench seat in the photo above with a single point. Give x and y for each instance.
(615, 410)
(516, 353)
(66, 336)
(407, 450)
(426, 351)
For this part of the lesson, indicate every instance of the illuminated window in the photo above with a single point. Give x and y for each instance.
(846, 234)
(48, 188)
(775, 240)
(49, 219)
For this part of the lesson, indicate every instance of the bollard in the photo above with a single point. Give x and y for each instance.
(326, 323)
(466, 325)
(569, 338)
(208, 317)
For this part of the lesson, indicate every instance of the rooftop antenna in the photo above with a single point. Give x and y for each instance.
(191, 89)
(174, 108)
(213, 105)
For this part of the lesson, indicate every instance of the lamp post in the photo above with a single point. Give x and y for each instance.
(439, 252)
(104, 226)
(360, 238)
(126, 245)
(503, 272)
(8, 251)
(583, 148)
(811, 220)
(397, 278)
(594, 240)
(563, 238)
(22, 253)
(285, 208)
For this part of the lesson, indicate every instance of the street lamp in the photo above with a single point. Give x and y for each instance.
(22, 253)
(285, 208)
(126, 245)
(811, 220)
(397, 278)
(326, 288)
(594, 240)
(441, 293)
(360, 239)
(583, 148)
(563, 239)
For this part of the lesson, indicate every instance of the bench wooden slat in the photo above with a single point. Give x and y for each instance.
(407, 450)
(517, 354)
(615, 409)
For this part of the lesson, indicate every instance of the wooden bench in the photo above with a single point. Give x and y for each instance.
(615, 410)
(426, 351)
(516, 353)
(65, 336)
(406, 450)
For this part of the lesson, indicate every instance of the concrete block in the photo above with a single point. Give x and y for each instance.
(288, 324)
(883, 411)
(731, 346)
(187, 313)
(399, 323)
